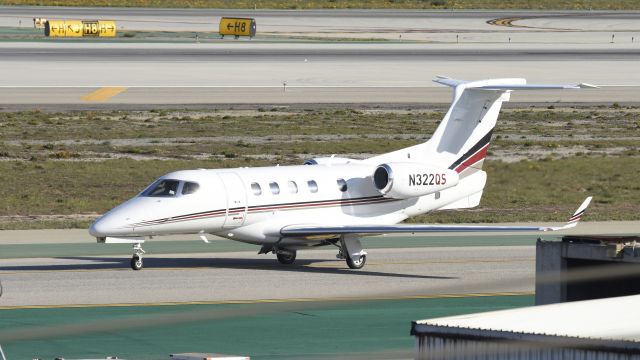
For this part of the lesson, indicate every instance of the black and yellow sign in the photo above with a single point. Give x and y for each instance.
(79, 28)
(238, 26)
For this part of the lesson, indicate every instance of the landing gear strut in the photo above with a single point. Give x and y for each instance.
(351, 250)
(136, 260)
(286, 257)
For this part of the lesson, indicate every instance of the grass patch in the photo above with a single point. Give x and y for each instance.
(89, 161)
(351, 4)
(547, 190)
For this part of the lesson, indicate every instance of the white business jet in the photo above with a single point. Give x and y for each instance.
(331, 201)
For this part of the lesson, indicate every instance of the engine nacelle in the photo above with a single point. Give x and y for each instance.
(407, 180)
(330, 161)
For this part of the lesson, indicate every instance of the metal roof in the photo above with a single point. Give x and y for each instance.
(607, 319)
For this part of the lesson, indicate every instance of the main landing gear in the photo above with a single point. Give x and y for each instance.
(357, 263)
(349, 245)
(351, 251)
(286, 257)
(136, 260)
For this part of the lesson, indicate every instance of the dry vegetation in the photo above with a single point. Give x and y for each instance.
(60, 169)
(351, 4)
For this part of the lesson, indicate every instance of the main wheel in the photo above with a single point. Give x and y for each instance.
(358, 263)
(286, 258)
(136, 262)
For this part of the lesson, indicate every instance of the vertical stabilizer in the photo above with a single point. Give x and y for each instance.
(461, 141)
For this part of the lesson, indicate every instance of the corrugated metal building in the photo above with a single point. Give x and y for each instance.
(593, 329)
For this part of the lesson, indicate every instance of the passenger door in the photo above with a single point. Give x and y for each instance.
(236, 199)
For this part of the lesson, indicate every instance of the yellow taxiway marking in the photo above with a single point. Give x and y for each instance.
(274, 301)
(104, 94)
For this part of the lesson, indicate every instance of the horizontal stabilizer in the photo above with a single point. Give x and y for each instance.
(508, 84)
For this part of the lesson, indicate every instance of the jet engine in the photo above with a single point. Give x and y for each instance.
(330, 161)
(407, 180)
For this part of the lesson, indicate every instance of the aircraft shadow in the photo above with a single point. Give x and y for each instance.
(301, 266)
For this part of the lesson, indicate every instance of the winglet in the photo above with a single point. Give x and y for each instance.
(575, 218)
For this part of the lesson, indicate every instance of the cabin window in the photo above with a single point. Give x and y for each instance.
(189, 188)
(163, 187)
(257, 190)
(275, 188)
(293, 187)
(342, 185)
(313, 186)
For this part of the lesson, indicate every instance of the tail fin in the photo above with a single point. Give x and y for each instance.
(462, 139)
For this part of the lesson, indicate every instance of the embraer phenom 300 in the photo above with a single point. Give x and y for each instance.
(331, 201)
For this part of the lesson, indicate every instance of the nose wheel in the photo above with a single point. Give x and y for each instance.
(136, 260)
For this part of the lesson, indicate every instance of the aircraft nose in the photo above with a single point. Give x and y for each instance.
(110, 225)
(98, 229)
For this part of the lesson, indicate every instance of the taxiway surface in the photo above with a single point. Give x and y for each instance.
(65, 267)
(243, 276)
(414, 24)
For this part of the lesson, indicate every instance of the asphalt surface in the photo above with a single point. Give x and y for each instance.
(246, 276)
(261, 73)
(250, 53)
(67, 267)
(63, 98)
(600, 48)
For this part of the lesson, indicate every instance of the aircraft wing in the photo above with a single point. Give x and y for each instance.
(322, 231)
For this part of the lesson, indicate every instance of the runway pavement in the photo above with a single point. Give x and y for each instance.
(302, 73)
(544, 47)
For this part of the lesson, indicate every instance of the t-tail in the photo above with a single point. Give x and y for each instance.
(461, 141)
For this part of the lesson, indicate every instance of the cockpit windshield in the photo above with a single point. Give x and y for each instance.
(169, 188)
(163, 187)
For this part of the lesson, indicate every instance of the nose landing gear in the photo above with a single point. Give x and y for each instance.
(136, 260)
